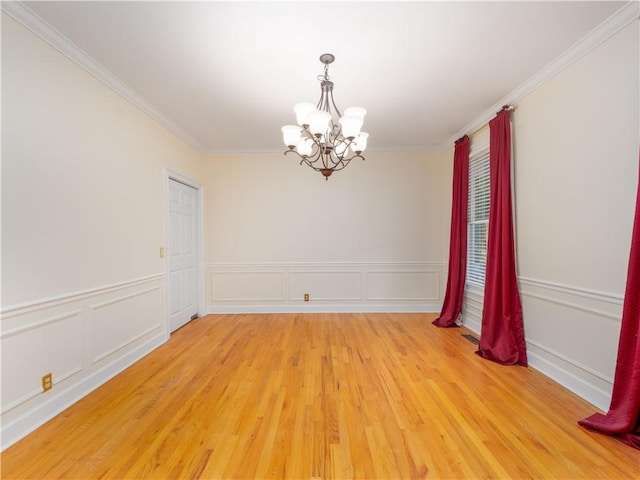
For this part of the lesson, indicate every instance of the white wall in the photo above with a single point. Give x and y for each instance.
(83, 178)
(576, 142)
(83, 219)
(372, 237)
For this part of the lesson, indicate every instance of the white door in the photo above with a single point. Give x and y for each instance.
(182, 253)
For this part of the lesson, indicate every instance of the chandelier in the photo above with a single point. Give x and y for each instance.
(323, 139)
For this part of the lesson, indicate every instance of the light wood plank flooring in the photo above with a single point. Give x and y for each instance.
(320, 396)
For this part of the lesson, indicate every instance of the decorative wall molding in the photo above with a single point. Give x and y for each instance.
(575, 306)
(534, 288)
(619, 20)
(46, 303)
(329, 285)
(113, 301)
(25, 16)
(39, 324)
(130, 335)
(27, 422)
(586, 293)
(566, 306)
(601, 304)
(582, 380)
(380, 308)
(332, 286)
(276, 278)
(31, 330)
(29, 19)
(82, 338)
(37, 391)
(565, 358)
(324, 265)
(408, 293)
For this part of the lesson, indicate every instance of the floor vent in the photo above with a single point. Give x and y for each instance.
(194, 316)
(471, 338)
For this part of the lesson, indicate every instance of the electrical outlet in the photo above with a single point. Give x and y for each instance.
(306, 297)
(161, 252)
(47, 382)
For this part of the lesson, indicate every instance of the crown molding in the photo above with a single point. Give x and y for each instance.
(629, 13)
(30, 20)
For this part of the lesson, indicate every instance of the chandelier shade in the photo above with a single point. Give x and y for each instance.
(302, 112)
(356, 112)
(291, 135)
(324, 139)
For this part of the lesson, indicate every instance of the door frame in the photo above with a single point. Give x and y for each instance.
(178, 177)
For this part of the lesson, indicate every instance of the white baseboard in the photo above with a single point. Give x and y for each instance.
(554, 371)
(424, 308)
(471, 324)
(60, 401)
(570, 381)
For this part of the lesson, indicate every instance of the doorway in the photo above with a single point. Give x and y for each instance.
(183, 272)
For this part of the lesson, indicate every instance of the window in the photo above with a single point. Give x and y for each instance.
(478, 226)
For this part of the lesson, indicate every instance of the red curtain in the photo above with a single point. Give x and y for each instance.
(502, 332)
(623, 418)
(452, 305)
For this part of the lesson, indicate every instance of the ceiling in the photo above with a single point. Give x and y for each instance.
(228, 73)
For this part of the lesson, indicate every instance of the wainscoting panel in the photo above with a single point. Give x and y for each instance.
(572, 336)
(403, 285)
(122, 321)
(571, 333)
(82, 339)
(332, 287)
(57, 340)
(248, 286)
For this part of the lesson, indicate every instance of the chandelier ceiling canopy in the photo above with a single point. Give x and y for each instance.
(325, 139)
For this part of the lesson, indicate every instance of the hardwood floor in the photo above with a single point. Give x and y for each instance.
(305, 396)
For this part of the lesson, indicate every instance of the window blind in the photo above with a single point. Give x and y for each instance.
(478, 220)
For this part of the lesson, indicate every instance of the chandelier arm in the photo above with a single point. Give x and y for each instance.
(323, 103)
(327, 162)
(335, 160)
(334, 104)
(309, 163)
(334, 166)
(356, 155)
(339, 166)
(347, 143)
(305, 129)
(336, 129)
(317, 144)
(346, 162)
(308, 159)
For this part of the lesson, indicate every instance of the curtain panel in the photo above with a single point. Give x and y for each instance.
(452, 306)
(502, 332)
(623, 418)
